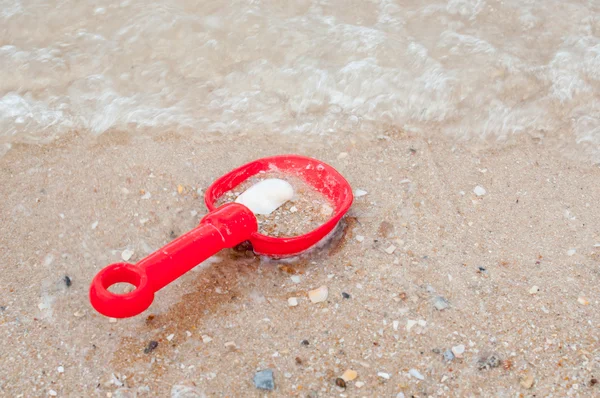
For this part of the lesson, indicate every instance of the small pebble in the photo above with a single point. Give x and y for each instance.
(359, 192)
(448, 355)
(345, 295)
(170, 337)
(292, 301)
(582, 300)
(112, 320)
(359, 238)
(409, 324)
(395, 325)
(342, 155)
(295, 278)
(390, 249)
(206, 339)
(440, 303)
(489, 361)
(304, 342)
(231, 345)
(293, 209)
(340, 382)
(479, 190)
(147, 195)
(415, 373)
(188, 333)
(127, 254)
(68, 281)
(94, 224)
(526, 381)
(52, 393)
(534, 290)
(349, 375)
(400, 395)
(150, 347)
(359, 384)
(571, 252)
(384, 375)
(458, 350)
(264, 380)
(318, 295)
(60, 369)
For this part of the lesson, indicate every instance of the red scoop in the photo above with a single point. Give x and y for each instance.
(223, 227)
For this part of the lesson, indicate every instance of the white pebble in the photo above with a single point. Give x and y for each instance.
(112, 320)
(60, 369)
(170, 337)
(94, 224)
(52, 393)
(458, 350)
(292, 301)
(359, 384)
(188, 333)
(359, 192)
(147, 195)
(127, 254)
(479, 190)
(295, 278)
(400, 395)
(571, 252)
(384, 375)
(415, 373)
(206, 339)
(409, 324)
(534, 290)
(391, 249)
(395, 325)
(343, 155)
(293, 209)
(360, 238)
(318, 295)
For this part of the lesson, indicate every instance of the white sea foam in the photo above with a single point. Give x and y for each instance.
(471, 69)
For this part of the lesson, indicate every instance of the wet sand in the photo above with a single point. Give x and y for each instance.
(71, 207)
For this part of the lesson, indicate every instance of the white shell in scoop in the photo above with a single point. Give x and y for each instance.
(266, 196)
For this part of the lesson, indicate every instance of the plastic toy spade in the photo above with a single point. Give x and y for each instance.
(223, 227)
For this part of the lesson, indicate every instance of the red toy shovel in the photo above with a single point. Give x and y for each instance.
(223, 227)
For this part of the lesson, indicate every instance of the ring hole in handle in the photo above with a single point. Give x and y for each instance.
(121, 305)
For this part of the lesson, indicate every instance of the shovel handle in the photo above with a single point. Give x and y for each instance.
(226, 227)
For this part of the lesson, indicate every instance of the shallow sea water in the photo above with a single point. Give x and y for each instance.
(476, 70)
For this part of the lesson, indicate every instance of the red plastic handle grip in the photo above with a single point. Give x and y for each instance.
(227, 226)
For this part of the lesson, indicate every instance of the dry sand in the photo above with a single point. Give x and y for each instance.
(72, 207)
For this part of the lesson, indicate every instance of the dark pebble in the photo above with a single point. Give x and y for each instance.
(264, 380)
(593, 382)
(305, 342)
(345, 295)
(481, 269)
(67, 281)
(151, 347)
(340, 382)
(489, 361)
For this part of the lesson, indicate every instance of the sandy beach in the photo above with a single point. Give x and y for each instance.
(517, 267)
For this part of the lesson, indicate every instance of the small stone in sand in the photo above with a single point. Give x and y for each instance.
(359, 238)
(340, 382)
(188, 333)
(582, 300)
(180, 189)
(318, 295)
(488, 361)
(264, 380)
(400, 395)
(571, 252)
(345, 295)
(112, 320)
(60, 369)
(295, 279)
(293, 209)
(231, 345)
(526, 381)
(52, 393)
(349, 375)
(206, 339)
(384, 375)
(359, 384)
(359, 192)
(94, 224)
(170, 337)
(147, 195)
(390, 249)
(127, 254)
(150, 347)
(448, 355)
(534, 290)
(458, 350)
(440, 303)
(292, 301)
(304, 342)
(479, 190)
(415, 373)
(409, 324)
(67, 281)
